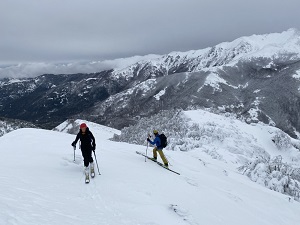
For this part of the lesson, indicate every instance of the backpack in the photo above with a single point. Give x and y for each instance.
(163, 140)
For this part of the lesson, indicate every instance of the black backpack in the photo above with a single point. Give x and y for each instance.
(163, 140)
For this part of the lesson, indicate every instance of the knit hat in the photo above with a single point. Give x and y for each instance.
(83, 125)
(155, 132)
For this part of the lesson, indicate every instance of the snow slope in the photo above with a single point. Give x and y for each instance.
(72, 127)
(40, 184)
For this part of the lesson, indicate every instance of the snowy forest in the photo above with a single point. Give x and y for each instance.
(253, 161)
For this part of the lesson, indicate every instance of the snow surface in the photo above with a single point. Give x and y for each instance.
(97, 129)
(214, 80)
(40, 184)
(297, 75)
(159, 94)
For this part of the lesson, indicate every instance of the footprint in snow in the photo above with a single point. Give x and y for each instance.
(191, 182)
(234, 197)
(69, 160)
(184, 214)
(225, 173)
(203, 163)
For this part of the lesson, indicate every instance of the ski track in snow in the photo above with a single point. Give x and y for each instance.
(40, 184)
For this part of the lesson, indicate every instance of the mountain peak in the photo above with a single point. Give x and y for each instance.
(271, 46)
(283, 39)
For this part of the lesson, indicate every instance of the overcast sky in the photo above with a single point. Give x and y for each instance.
(83, 30)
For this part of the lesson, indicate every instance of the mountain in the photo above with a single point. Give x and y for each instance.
(50, 189)
(257, 78)
(8, 125)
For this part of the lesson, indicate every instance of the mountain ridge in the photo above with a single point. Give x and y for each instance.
(240, 77)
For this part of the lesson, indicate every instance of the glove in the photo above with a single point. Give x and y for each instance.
(148, 139)
(73, 144)
(93, 147)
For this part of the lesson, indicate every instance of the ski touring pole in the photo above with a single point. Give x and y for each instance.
(149, 136)
(146, 152)
(74, 152)
(97, 163)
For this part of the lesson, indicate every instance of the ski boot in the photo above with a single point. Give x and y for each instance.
(92, 170)
(87, 175)
(154, 159)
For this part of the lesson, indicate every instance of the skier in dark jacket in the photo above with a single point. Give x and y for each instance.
(158, 148)
(87, 145)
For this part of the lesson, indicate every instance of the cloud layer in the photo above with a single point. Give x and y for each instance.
(91, 30)
(24, 70)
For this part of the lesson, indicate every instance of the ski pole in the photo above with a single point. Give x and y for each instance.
(146, 151)
(74, 152)
(97, 163)
(149, 136)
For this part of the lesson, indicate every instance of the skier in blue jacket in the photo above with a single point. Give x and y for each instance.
(158, 148)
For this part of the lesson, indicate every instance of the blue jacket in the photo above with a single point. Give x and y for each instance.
(156, 142)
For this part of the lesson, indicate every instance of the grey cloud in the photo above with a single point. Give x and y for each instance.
(82, 30)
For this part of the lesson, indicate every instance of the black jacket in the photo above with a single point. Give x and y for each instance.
(87, 139)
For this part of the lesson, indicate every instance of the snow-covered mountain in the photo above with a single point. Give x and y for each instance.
(42, 185)
(276, 46)
(256, 78)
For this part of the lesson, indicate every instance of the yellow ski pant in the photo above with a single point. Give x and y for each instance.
(162, 155)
